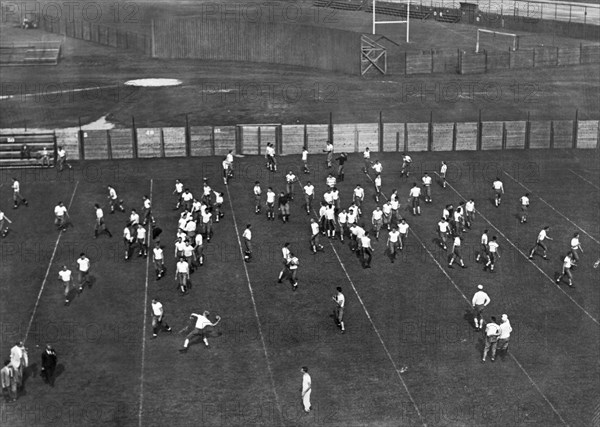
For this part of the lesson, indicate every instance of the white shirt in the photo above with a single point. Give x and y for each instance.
(270, 197)
(84, 264)
(377, 215)
(525, 201)
(492, 329)
(65, 275)
(157, 308)
(322, 210)
(304, 155)
(493, 246)
(112, 193)
(378, 181)
(498, 185)
(331, 181)
(335, 194)
(415, 192)
(147, 203)
(141, 233)
(187, 196)
(443, 226)
(330, 213)
(340, 299)
(306, 383)
(505, 330)
(270, 151)
(285, 252)
(257, 190)
(201, 321)
(294, 262)
(470, 206)
(247, 234)
(567, 262)
(575, 243)
(179, 187)
(329, 148)
(60, 211)
(188, 250)
(484, 239)
(394, 204)
(387, 208)
(403, 228)
(225, 164)
(18, 356)
(542, 235)
(207, 190)
(480, 298)
(359, 192)
(406, 159)
(365, 242)
(198, 239)
(290, 178)
(443, 168)
(309, 190)
(190, 226)
(62, 153)
(378, 167)
(179, 245)
(393, 236)
(314, 228)
(183, 267)
(134, 218)
(127, 234)
(427, 180)
(158, 253)
(206, 216)
(328, 197)
(366, 154)
(229, 158)
(342, 217)
(99, 213)
(457, 242)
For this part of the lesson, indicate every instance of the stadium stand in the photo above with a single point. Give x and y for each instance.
(399, 10)
(25, 150)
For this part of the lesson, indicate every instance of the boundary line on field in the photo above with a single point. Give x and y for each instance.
(552, 207)
(470, 306)
(149, 236)
(527, 258)
(586, 180)
(385, 348)
(260, 331)
(37, 301)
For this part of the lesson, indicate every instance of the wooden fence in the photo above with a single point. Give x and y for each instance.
(245, 139)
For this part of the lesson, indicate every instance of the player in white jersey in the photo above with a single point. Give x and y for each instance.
(443, 170)
(178, 192)
(575, 248)
(286, 255)
(456, 253)
(566, 269)
(415, 199)
(366, 159)
(406, 163)
(100, 225)
(17, 198)
(66, 278)
(329, 150)
(305, 160)
(469, 212)
(524, 200)
(257, 191)
(443, 232)
(493, 253)
(377, 221)
(182, 275)
(114, 201)
(314, 236)
(158, 318)
(377, 183)
(393, 243)
(217, 206)
(158, 258)
(290, 179)
(330, 221)
(270, 203)
(483, 252)
(62, 159)
(403, 230)
(3, 226)
(338, 313)
(358, 196)
(498, 190)
(293, 266)
(387, 214)
(134, 218)
(141, 236)
(309, 196)
(539, 243)
(342, 219)
(61, 216)
(127, 240)
(427, 187)
(83, 266)
(147, 211)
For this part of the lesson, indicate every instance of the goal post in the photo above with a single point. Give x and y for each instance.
(407, 21)
(480, 31)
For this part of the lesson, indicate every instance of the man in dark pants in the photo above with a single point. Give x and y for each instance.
(48, 365)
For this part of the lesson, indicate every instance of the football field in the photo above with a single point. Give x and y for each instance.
(410, 354)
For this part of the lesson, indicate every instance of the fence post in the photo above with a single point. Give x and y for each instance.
(527, 132)
(479, 131)
(504, 135)
(330, 128)
(454, 137)
(109, 145)
(405, 137)
(134, 141)
(81, 144)
(258, 140)
(188, 138)
(430, 132)
(575, 128)
(380, 133)
(306, 137)
(162, 143)
(551, 134)
(239, 135)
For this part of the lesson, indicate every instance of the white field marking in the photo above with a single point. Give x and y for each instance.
(56, 92)
(527, 258)
(586, 180)
(37, 301)
(469, 304)
(260, 331)
(385, 348)
(554, 209)
(149, 236)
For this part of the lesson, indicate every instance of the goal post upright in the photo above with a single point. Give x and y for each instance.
(515, 38)
(407, 21)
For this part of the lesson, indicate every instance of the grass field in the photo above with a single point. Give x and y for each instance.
(413, 313)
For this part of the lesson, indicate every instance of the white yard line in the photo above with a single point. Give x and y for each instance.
(527, 258)
(553, 208)
(469, 304)
(376, 330)
(149, 236)
(260, 329)
(37, 301)
(586, 180)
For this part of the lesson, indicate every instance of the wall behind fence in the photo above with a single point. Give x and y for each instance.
(234, 40)
(198, 141)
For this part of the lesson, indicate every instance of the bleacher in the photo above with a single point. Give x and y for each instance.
(352, 5)
(29, 53)
(451, 16)
(400, 10)
(13, 154)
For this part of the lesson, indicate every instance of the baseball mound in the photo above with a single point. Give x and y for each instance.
(153, 82)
